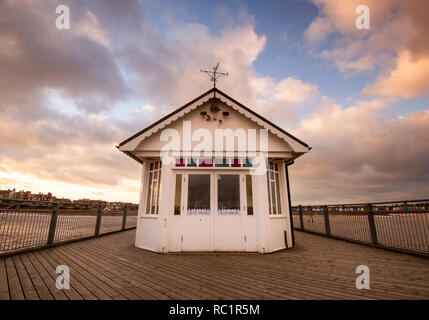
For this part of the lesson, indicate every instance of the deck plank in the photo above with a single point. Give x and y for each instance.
(100, 282)
(158, 277)
(122, 275)
(28, 289)
(41, 288)
(46, 260)
(77, 281)
(110, 267)
(4, 286)
(48, 276)
(15, 288)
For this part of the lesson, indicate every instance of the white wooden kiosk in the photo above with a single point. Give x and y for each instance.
(235, 199)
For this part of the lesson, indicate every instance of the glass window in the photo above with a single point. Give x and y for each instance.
(269, 193)
(154, 188)
(191, 162)
(273, 198)
(235, 163)
(178, 194)
(149, 192)
(279, 206)
(273, 187)
(205, 162)
(180, 162)
(247, 162)
(199, 192)
(158, 192)
(221, 162)
(154, 193)
(249, 194)
(228, 192)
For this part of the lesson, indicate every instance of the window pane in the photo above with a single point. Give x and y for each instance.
(149, 190)
(247, 162)
(249, 195)
(191, 162)
(279, 206)
(180, 162)
(235, 162)
(178, 194)
(199, 191)
(273, 198)
(221, 162)
(154, 194)
(228, 189)
(269, 193)
(158, 192)
(206, 162)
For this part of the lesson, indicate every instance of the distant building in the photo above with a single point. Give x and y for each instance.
(7, 194)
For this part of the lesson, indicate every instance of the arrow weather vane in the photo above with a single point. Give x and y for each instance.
(214, 75)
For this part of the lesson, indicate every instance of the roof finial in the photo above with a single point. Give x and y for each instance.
(214, 75)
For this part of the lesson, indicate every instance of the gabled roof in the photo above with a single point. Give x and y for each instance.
(248, 112)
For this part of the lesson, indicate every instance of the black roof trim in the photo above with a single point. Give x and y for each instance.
(202, 96)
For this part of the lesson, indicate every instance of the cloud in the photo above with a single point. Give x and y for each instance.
(396, 44)
(358, 155)
(409, 79)
(147, 109)
(90, 27)
(318, 30)
(294, 91)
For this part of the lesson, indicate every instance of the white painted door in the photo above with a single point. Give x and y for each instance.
(229, 212)
(198, 213)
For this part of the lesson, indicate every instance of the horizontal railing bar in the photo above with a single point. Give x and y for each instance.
(364, 203)
(66, 203)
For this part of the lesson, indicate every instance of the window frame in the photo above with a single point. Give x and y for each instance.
(242, 164)
(151, 203)
(274, 196)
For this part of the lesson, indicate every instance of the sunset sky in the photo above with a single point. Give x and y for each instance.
(360, 98)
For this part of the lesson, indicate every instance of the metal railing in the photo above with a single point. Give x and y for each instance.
(400, 225)
(28, 224)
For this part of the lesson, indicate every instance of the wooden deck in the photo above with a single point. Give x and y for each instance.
(111, 268)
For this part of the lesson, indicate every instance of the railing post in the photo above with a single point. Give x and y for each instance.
(301, 220)
(124, 218)
(371, 224)
(327, 224)
(98, 221)
(53, 224)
